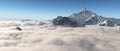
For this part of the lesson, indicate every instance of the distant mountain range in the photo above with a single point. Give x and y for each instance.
(85, 17)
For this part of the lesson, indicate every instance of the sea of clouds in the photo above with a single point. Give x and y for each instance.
(42, 35)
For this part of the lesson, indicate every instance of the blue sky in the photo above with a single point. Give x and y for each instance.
(49, 9)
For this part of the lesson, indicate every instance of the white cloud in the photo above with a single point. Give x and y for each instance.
(46, 37)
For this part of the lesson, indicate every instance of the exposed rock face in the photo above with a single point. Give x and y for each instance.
(64, 21)
(92, 21)
(85, 17)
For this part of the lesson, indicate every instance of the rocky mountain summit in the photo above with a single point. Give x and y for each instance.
(85, 17)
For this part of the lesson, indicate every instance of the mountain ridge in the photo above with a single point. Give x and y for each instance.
(86, 17)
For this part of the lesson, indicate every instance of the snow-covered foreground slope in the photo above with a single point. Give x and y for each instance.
(43, 36)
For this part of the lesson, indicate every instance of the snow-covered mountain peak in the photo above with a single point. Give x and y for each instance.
(83, 9)
(87, 17)
(86, 12)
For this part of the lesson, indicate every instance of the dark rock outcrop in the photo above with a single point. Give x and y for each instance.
(18, 28)
(64, 21)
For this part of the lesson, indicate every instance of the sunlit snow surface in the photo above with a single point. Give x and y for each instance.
(43, 36)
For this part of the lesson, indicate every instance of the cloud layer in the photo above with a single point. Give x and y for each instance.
(43, 36)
